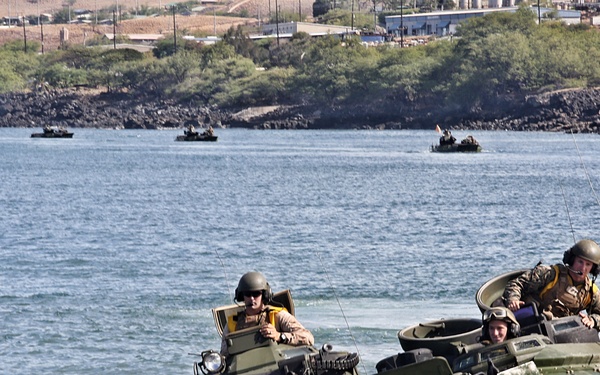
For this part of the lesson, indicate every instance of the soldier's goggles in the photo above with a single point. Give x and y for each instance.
(496, 314)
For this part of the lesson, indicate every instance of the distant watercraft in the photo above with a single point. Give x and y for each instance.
(448, 143)
(53, 132)
(193, 136)
(456, 147)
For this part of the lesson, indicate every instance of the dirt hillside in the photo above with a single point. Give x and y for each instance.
(81, 33)
(254, 7)
(28, 7)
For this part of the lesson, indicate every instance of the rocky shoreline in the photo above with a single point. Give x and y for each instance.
(576, 110)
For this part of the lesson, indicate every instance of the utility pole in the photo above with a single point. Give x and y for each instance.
(42, 36)
(352, 21)
(374, 15)
(401, 23)
(114, 30)
(174, 31)
(24, 36)
(277, 21)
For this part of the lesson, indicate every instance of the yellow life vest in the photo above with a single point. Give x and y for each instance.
(271, 312)
(556, 291)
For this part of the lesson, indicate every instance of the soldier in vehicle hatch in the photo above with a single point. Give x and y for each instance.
(191, 131)
(447, 138)
(276, 323)
(562, 289)
(499, 324)
(469, 140)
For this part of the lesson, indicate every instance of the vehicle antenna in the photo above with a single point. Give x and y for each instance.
(225, 272)
(341, 309)
(568, 214)
(587, 175)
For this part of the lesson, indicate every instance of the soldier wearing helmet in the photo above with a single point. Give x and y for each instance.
(499, 324)
(447, 138)
(563, 289)
(276, 322)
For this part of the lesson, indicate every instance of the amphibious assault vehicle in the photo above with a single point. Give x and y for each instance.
(442, 347)
(251, 354)
(446, 347)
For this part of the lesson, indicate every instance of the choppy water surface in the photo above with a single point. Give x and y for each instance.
(115, 245)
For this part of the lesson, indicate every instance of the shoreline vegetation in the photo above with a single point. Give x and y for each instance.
(498, 72)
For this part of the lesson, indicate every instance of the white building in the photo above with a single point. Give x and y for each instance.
(445, 22)
(309, 28)
(436, 23)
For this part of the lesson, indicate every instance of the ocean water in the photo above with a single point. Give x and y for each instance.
(115, 245)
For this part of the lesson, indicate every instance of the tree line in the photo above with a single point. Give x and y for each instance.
(489, 59)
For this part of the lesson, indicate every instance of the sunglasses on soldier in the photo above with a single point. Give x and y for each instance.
(254, 293)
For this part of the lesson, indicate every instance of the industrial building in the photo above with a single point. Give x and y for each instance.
(309, 28)
(445, 22)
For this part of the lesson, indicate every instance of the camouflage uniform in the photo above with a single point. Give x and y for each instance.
(562, 299)
(284, 322)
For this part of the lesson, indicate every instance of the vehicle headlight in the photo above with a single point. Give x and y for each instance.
(211, 363)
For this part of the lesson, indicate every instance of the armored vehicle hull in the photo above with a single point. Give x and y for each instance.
(196, 138)
(249, 353)
(456, 147)
(557, 346)
(53, 134)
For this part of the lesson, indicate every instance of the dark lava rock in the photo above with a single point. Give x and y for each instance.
(564, 110)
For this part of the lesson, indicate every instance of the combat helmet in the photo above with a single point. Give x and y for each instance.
(585, 249)
(500, 313)
(252, 282)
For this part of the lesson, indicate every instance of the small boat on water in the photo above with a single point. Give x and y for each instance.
(251, 354)
(53, 132)
(451, 347)
(191, 135)
(456, 147)
(196, 138)
(448, 143)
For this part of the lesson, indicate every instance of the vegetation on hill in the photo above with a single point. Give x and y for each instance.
(497, 58)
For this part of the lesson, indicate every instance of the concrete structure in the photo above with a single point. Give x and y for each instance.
(138, 38)
(206, 41)
(570, 17)
(309, 28)
(18, 21)
(435, 23)
(137, 47)
(445, 22)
